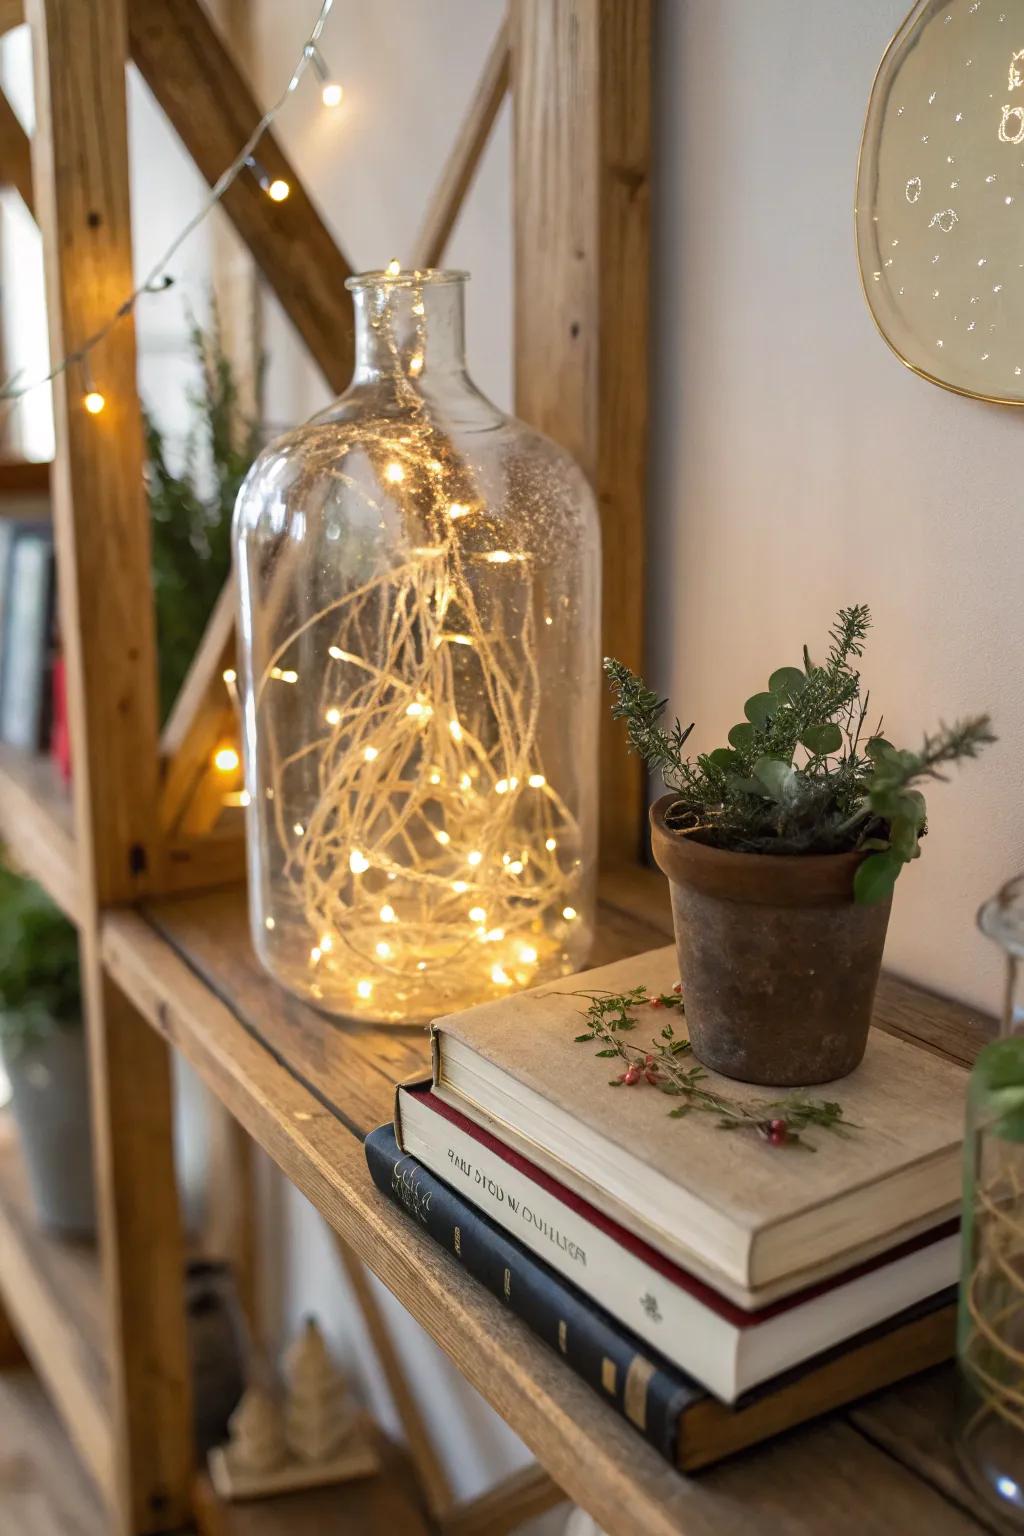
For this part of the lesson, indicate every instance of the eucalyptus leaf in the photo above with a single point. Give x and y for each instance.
(761, 707)
(787, 682)
(822, 739)
(776, 776)
(876, 877)
(723, 757)
(742, 735)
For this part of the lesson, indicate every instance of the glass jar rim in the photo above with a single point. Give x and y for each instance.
(414, 277)
(1002, 917)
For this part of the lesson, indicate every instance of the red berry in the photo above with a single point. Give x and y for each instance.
(632, 1075)
(778, 1133)
(777, 1125)
(656, 1002)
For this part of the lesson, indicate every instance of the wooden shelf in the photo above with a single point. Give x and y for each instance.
(308, 1089)
(52, 1292)
(43, 1489)
(37, 825)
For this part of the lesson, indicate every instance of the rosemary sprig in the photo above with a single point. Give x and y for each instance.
(665, 1065)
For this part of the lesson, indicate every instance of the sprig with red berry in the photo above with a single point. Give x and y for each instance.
(666, 1064)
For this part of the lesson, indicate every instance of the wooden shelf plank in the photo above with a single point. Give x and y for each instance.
(36, 825)
(52, 1292)
(302, 1084)
(43, 1490)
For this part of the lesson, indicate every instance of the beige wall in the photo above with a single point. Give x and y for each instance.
(798, 466)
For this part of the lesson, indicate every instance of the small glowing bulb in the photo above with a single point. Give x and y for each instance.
(289, 676)
(527, 954)
(474, 858)
(369, 754)
(465, 782)
(443, 838)
(421, 965)
(268, 923)
(229, 675)
(326, 943)
(501, 788)
(457, 509)
(364, 988)
(358, 863)
(477, 915)
(459, 886)
(550, 844)
(495, 936)
(568, 913)
(536, 781)
(314, 954)
(298, 829)
(225, 759)
(416, 363)
(416, 709)
(394, 472)
(456, 730)
(516, 867)
(500, 977)
(93, 401)
(498, 557)
(548, 619)
(393, 267)
(506, 858)
(418, 308)
(278, 190)
(435, 777)
(333, 715)
(387, 913)
(384, 950)
(331, 94)
(336, 652)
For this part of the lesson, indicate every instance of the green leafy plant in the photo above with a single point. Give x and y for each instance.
(191, 511)
(800, 775)
(39, 976)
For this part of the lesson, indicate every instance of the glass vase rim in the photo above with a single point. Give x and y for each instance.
(1002, 917)
(408, 277)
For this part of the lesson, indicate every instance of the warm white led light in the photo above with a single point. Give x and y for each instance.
(394, 472)
(268, 922)
(370, 753)
(474, 858)
(298, 829)
(384, 950)
(568, 913)
(443, 838)
(229, 675)
(457, 509)
(477, 915)
(314, 954)
(358, 863)
(455, 729)
(225, 760)
(500, 976)
(332, 94)
(393, 267)
(550, 844)
(536, 781)
(501, 788)
(499, 557)
(459, 886)
(527, 954)
(387, 913)
(333, 715)
(364, 988)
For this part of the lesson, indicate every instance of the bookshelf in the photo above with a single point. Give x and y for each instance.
(166, 958)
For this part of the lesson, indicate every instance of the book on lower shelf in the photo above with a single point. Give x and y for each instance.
(755, 1222)
(678, 1416)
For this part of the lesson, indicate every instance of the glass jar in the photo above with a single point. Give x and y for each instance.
(991, 1328)
(419, 580)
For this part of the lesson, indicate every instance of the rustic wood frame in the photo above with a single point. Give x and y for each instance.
(141, 820)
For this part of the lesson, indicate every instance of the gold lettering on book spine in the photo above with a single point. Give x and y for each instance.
(563, 1335)
(458, 1241)
(508, 1284)
(634, 1397)
(608, 1375)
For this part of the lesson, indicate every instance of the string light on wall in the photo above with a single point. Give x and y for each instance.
(158, 281)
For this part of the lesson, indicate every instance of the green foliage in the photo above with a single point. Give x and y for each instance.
(39, 980)
(795, 777)
(191, 511)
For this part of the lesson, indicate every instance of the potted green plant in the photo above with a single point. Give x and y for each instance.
(782, 850)
(43, 1050)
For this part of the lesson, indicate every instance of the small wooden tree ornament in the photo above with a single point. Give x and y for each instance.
(256, 1451)
(319, 1415)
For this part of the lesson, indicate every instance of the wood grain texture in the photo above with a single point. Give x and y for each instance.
(24, 477)
(53, 1296)
(503, 1509)
(101, 516)
(202, 716)
(581, 91)
(585, 1448)
(15, 154)
(36, 826)
(143, 1254)
(427, 1465)
(193, 77)
(43, 1490)
(457, 177)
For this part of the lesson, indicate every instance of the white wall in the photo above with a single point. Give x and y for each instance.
(797, 466)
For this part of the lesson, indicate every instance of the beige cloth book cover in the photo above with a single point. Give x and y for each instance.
(755, 1220)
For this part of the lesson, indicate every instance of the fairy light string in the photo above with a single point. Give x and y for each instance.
(157, 279)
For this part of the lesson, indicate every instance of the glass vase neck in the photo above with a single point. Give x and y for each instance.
(409, 325)
(1002, 919)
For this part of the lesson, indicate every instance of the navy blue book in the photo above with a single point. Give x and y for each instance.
(672, 1411)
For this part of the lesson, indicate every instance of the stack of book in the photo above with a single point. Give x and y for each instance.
(716, 1289)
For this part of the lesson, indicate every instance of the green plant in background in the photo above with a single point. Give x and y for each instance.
(799, 774)
(39, 977)
(191, 511)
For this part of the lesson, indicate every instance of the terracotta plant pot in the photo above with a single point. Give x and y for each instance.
(778, 965)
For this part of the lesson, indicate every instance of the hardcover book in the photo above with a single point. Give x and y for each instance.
(755, 1221)
(674, 1413)
(728, 1350)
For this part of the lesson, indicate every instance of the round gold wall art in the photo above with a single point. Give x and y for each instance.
(940, 196)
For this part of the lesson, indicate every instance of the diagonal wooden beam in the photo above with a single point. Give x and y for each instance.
(197, 83)
(202, 715)
(12, 14)
(446, 203)
(15, 154)
(522, 1496)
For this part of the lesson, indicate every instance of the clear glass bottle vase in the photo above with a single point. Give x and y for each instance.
(990, 1346)
(419, 579)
